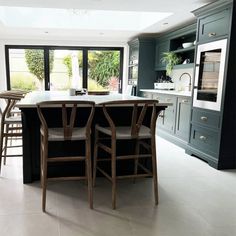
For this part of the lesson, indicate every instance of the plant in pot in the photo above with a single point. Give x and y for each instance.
(171, 59)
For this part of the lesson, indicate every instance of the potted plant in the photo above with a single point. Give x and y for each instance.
(171, 59)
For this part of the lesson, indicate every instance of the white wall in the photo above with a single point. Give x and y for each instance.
(4, 42)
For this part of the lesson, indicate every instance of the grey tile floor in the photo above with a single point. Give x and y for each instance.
(195, 199)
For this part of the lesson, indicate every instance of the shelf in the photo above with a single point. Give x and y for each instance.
(184, 49)
(180, 66)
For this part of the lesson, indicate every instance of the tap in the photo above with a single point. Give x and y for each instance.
(190, 78)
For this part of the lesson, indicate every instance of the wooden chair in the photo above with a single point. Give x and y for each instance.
(70, 131)
(11, 125)
(143, 136)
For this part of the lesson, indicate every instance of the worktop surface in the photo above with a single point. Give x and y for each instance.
(32, 98)
(170, 92)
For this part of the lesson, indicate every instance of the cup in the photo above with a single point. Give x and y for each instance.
(72, 91)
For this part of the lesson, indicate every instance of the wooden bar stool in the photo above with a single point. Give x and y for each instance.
(140, 129)
(11, 125)
(69, 131)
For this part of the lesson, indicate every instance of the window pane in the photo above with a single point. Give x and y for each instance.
(26, 69)
(103, 70)
(66, 71)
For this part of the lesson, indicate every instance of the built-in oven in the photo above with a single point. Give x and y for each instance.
(209, 75)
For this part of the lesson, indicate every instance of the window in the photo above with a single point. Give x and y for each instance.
(60, 68)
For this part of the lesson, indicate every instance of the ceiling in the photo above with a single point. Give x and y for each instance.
(77, 20)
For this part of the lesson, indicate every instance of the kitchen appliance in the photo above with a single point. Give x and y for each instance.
(209, 75)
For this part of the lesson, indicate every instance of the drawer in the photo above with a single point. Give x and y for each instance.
(164, 98)
(207, 119)
(214, 25)
(146, 95)
(204, 139)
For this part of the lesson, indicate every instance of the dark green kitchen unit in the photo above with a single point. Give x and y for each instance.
(162, 46)
(214, 24)
(141, 63)
(173, 42)
(213, 115)
(167, 117)
(173, 122)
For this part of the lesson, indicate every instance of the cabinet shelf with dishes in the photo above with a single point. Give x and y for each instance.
(180, 42)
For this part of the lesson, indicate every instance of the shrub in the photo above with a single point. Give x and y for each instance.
(22, 81)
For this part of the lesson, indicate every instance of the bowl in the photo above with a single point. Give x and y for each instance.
(187, 45)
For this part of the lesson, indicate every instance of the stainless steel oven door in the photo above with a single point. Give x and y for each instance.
(209, 75)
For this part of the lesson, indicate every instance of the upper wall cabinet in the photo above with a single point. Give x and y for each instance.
(214, 26)
(161, 47)
(141, 63)
(181, 42)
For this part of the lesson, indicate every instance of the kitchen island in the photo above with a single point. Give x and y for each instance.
(31, 125)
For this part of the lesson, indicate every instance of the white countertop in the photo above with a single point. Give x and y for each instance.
(171, 92)
(32, 98)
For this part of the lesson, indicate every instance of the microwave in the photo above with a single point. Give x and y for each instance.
(209, 75)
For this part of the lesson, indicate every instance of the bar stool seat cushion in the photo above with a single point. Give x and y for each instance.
(57, 134)
(13, 120)
(124, 132)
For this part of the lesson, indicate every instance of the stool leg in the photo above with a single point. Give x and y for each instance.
(113, 171)
(89, 173)
(5, 145)
(136, 159)
(95, 157)
(44, 173)
(1, 143)
(154, 169)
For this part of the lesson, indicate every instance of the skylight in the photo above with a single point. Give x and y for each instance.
(79, 19)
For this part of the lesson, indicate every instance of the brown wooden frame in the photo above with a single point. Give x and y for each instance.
(67, 132)
(136, 122)
(10, 128)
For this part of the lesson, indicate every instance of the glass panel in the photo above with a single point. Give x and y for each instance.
(103, 70)
(26, 68)
(67, 69)
(209, 75)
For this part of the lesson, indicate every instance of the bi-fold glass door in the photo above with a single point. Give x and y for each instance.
(60, 68)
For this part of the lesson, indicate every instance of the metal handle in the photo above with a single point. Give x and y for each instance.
(184, 101)
(203, 118)
(212, 34)
(203, 137)
(161, 115)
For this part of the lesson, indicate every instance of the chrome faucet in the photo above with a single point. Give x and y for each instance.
(190, 78)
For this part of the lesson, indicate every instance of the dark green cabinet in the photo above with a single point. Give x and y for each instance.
(173, 42)
(161, 47)
(183, 117)
(141, 63)
(213, 131)
(167, 117)
(214, 25)
(173, 123)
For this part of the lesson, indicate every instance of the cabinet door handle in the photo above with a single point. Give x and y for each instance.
(212, 34)
(184, 101)
(161, 115)
(168, 99)
(203, 118)
(202, 137)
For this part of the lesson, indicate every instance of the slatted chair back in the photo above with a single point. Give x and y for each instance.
(139, 111)
(68, 118)
(11, 100)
